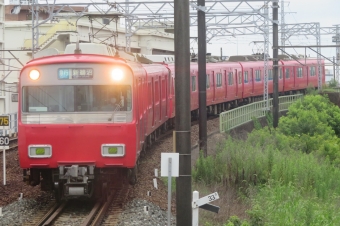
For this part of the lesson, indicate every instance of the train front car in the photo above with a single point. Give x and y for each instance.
(76, 123)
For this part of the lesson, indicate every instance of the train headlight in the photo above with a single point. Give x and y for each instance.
(40, 151)
(113, 150)
(117, 74)
(34, 74)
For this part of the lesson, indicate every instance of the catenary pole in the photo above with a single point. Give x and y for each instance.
(202, 77)
(275, 65)
(183, 120)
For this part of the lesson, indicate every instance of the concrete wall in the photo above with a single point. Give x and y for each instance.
(149, 42)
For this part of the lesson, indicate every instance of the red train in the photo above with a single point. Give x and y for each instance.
(84, 119)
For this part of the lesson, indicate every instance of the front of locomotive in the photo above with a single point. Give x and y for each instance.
(76, 122)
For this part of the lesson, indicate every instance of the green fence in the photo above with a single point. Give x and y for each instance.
(241, 115)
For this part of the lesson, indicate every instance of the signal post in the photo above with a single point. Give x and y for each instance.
(4, 142)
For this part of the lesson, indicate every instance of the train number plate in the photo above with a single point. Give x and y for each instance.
(4, 120)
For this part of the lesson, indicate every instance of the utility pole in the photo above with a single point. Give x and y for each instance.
(128, 28)
(266, 56)
(202, 77)
(283, 28)
(275, 65)
(334, 70)
(183, 120)
(337, 42)
(35, 27)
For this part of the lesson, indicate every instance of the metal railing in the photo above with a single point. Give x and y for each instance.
(13, 125)
(241, 115)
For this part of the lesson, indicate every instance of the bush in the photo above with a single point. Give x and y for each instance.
(312, 115)
(332, 83)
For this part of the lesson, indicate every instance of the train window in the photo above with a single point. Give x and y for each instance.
(208, 81)
(280, 73)
(270, 74)
(193, 83)
(257, 75)
(312, 71)
(246, 77)
(240, 78)
(230, 78)
(218, 80)
(287, 73)
(299, 72)
(77, 98)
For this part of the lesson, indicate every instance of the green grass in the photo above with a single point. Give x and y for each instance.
(285, 186)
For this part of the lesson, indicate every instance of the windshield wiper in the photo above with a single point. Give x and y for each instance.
(116, 108)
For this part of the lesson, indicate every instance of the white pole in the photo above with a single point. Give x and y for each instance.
(4, 158)
(195, 197)
(169, 190)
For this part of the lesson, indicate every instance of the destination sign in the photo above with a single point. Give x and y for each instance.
(75, 73)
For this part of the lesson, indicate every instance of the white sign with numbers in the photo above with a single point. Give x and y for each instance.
(4, 142)
(205, 200)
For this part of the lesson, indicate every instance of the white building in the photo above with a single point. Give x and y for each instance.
(16, 41)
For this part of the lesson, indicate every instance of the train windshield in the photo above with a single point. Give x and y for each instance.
(77, 98)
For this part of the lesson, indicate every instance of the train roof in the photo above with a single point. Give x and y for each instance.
(79, 58)
(104, 50)
(91, 48)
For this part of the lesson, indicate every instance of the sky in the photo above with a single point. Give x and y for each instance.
(326, 12)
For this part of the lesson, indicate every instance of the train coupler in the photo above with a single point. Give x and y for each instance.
(78, 179)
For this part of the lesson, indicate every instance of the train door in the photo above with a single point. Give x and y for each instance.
(240, 85)
(172, 97)
(307, 74)
(152, 112)
(145, 103)
(236, 83)
(141, 110)
(213, 85)
(194, 90)
(225, 84)
(160, 97)
(294, 75)
(165, 94)
(251, 79)
(157, 101)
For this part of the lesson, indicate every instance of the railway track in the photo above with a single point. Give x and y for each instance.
(83, 212)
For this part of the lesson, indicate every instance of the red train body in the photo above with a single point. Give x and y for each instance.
(88, 117)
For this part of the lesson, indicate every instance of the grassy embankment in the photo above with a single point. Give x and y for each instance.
(284, 176)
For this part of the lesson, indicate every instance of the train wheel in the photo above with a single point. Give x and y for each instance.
(132, 175)
(143, 151)
(57, 191)
(165, 127)
(104, 192)
(150, 140)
